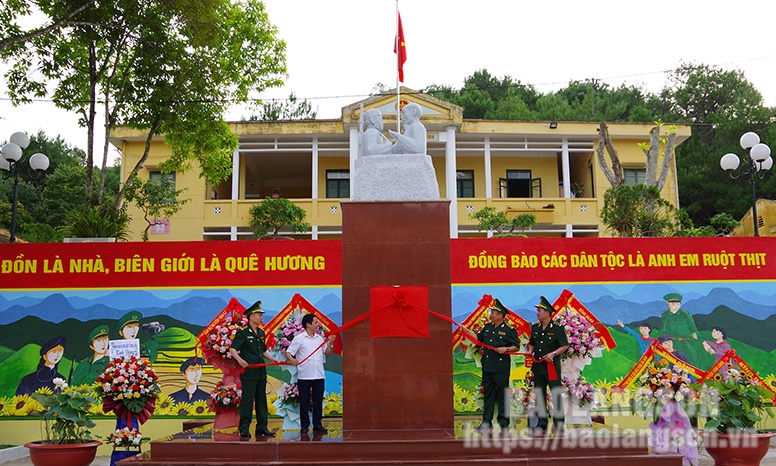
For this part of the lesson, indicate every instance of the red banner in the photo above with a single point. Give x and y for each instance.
(550, 260)
(171, 264)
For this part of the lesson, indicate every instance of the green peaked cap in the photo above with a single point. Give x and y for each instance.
(499, 307)
(544, 304)
(673, 297)
(255, 307)
(128, 318)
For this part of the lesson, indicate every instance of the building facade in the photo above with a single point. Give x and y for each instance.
(546, 168)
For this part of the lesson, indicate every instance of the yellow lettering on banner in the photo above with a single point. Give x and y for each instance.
(283, 263)
(215, 264)
(87, 266)
(56, 266)
(179, 264)
(523, 261)
(662, 260)
(689, 260)
(723, 259)
(583, 260)
(612, 260)
(636, 260)
(19, 265)
(251, 263)
(134, 264)
(554, 261)
(752, 259)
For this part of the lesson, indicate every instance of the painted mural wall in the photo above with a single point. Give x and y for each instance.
(61, 303)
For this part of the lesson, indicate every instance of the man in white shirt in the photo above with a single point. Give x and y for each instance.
(311, 376)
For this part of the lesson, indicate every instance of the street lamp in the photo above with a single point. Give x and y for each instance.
(759, 162)
(11, 163)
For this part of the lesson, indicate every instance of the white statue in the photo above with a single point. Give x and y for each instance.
(413, 141)
(375, 143)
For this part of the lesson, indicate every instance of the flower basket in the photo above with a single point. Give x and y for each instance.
(129, 388)
(217, 340)
(581, 334)
(225, 401)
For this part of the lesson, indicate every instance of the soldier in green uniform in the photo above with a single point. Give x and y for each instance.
(496, 366)
(546, 343)
(86, 371)
(680, 325)
(249, 347)
(129, 328)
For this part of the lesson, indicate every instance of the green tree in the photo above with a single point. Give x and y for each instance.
(638, 211)
(96, 222)
(14, 12)
(290, 109)
(489, 219)
(170, 67)
(157, 198)
(274, 214)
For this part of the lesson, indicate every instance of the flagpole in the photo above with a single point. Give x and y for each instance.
(398, 64)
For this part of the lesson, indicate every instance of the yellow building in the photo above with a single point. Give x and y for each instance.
(766, 220)
(546, 168)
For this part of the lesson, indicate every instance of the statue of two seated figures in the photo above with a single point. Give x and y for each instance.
(394, 172)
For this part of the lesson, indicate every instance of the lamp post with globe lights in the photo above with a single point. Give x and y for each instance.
(11, 163)
(757, 164)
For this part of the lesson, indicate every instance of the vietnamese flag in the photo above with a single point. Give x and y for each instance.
(399, 49)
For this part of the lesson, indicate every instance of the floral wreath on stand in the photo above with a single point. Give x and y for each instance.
(217, 342)
(581, 335)
(129, 388)
(664, 393)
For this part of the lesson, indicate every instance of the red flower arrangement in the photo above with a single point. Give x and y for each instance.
(129, 387)
(224, 396)
(218, 340)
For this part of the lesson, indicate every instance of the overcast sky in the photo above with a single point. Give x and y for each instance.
(338, 50)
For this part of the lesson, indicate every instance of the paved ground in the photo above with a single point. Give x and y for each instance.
(705, 460)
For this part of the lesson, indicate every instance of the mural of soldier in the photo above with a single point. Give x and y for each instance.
(51, 353)
(88, 369)
(680, 326)
(129, 327)
(192, 371)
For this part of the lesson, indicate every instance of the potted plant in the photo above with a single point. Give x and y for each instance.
(68, 441)
(730, 435)
(269, 216)
(577, 189)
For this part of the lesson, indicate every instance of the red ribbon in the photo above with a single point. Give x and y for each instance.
(120, 409)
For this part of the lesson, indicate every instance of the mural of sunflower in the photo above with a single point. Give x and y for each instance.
(200, 408)
(22, 405)
(332, 403)
(5, 406)
(165, 406)
(271, 408)
(183, 409)
(463, 400)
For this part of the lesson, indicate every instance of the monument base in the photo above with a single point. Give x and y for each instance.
(427, 447)
(409, 177)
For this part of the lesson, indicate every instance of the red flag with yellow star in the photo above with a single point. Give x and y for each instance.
(399, 49)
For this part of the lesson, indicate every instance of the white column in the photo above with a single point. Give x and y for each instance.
(566, 169)
(488, 175)
(566, 181)
(450, 180)
(353, 156)
(315, 168)
(233, 233)
(236, 175)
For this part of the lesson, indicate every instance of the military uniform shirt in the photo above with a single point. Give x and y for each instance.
(545, 341)
(497, 336)
(251, 347)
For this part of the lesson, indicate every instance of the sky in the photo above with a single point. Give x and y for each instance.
(339, 50)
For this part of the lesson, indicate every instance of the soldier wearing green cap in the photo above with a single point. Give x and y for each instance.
(249, 347)
(87, 370)
(546, 343)
(496, 366)
(680, 326)
(129, 328)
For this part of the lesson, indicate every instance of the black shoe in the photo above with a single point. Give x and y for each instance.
(320, 429)
(303, 431)
(245, 437)
(264, 432)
